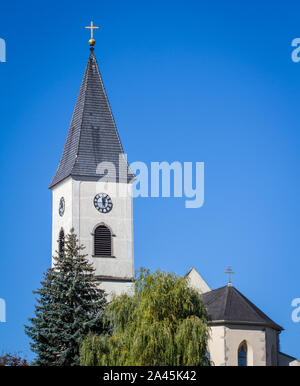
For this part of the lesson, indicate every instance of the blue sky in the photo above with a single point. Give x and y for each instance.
(209, 81)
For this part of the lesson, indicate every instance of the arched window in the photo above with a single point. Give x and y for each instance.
(102, 241)
(61, 242)
(242, 354)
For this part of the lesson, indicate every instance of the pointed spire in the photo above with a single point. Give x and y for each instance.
(93, 137)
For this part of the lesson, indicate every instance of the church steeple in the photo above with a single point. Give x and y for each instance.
(100, 210)
(93, 137)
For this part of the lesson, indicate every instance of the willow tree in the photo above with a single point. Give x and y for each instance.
(163, 324)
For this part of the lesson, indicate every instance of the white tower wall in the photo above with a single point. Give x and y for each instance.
(115, 273)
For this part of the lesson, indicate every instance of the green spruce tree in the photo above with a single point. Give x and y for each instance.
(163, 324)
(69, 306)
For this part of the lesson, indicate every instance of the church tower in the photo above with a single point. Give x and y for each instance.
(92, 187)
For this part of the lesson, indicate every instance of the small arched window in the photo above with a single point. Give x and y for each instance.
(61, 242)
(242, 354)
(102, 241)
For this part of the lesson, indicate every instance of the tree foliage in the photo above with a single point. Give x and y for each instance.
(69, 306)
(164, 323)
(12, 360)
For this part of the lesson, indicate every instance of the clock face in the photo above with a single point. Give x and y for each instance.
(103, 203)
(61, 209)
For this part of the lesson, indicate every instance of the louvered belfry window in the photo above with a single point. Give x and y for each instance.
(61, 241)
(102, 240)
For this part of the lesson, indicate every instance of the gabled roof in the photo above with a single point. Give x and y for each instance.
(93, 137)
(196, 281)
(227, 304)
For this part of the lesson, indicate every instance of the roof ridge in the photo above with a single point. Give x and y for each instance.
(107, 100)
(254, 308)
(112, 115)
(82, 110)
(213, 294)
(227, 301)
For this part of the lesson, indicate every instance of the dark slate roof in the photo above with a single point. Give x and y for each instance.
(229, 305)
(93, 137)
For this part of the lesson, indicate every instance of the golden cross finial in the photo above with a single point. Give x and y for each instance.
(91, 27)
(230, 272)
